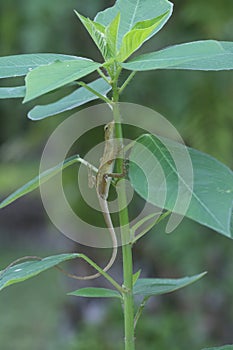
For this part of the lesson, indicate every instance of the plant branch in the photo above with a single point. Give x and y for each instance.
(127, 81)
(149, 227)
(96, 267)
(103, 76)
(125, 229)
(102, 97)
(140, 310)
(87, 164)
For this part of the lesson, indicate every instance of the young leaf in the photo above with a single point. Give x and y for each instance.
(157, 286)
(137, 36)
(112, 35)
(73, 100)
(35, 183)
(212, 192)
(12, 92)
(224, 347)
(52, 76)
(133, 12)
(105, 37)
(28, 269)
(97, 32)
(197, 55)
(96, 293)
(18, 65)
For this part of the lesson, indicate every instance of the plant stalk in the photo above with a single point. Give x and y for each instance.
(125, 235)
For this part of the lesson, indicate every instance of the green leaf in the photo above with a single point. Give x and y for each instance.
(133, 12)
(28, 269)
(12, 92)
(105, 38)
(35, 183)
(212, 192)
(57, 74)
(197, 55)
(157, 286)
(111, 33)
(73, 100)
(96, 31)
(224, 347)
(96, 293)
(137, 36)
(18, 65)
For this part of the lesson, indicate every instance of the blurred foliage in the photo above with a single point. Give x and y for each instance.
(200, 105)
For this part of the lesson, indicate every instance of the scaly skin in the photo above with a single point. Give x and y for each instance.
(107, 161)
(103, 181)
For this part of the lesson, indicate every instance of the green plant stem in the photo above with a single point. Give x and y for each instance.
(130, 77)
(102, 272)
(102, 97)
(149, 227)
(103, 76)
(125, 235)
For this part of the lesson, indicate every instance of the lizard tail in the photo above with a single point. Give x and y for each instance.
(108, 221)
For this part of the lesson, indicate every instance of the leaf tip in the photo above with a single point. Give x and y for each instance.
(3, 204)
(76, 12)
(202, 274)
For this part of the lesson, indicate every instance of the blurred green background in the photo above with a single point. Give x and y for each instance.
(37, 314)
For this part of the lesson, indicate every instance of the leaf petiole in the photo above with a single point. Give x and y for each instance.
(127, 81)
(102, 97)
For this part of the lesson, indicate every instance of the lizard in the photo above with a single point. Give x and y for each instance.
(102, 184)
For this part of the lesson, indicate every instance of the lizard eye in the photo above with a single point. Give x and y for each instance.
(105, 177)
(106, 127)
